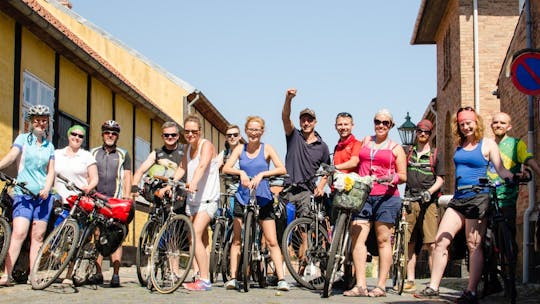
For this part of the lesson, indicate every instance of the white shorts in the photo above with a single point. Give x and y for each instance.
(210, 207)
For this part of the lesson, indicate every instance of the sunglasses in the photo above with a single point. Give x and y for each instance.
(231, 135)
(344, 114)
(77, 135)
(385, 123)
(191, 132)
(465, 109)
(171, 135)
(110, 133)
(420, 131)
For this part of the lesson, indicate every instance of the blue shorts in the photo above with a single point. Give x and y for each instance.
(380, 208)
(32, 209)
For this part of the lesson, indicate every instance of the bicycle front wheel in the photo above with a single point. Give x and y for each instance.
(216, 250)
(5, 238)
(55, 253)
(144, 250)
(172, 254)
(335, 254)
(247, 249)
(304, 248)
(399, 259)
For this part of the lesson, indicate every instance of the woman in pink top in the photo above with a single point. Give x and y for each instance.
(383, 158)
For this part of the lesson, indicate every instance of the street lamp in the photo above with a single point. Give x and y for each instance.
(407, 131)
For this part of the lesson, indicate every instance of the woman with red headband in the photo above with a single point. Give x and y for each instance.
(467, 208)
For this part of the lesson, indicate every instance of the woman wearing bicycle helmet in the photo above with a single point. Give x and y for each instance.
(467, 208)
(36, 169)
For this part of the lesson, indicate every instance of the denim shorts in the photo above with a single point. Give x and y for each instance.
(380, 208)
(36, 209)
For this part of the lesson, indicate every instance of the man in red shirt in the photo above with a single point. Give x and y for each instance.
(346, 152)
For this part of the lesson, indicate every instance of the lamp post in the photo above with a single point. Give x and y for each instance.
(407, 131)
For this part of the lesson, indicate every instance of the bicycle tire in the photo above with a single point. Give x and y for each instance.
(172, 250)
(334, 262)
(507, 261)
(55, 254)
(144, 251)
(225, 269)
(86, 262)
(246, 249)
(315, 255)
(259, 266)
(399, 260)
(5, 238)
(216, 250)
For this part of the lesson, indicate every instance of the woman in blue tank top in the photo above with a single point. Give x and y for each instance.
(254, 159)
(467, 208)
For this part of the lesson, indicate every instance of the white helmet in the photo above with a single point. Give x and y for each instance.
(38, 110)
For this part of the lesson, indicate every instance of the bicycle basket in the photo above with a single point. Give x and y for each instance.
(353, 199)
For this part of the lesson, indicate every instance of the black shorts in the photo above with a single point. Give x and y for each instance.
(474, 207)
(265, 213)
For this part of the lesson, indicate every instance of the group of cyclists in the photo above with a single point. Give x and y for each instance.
(107, 169)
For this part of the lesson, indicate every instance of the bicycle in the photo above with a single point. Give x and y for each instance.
(158, 212)
(499, 251)
(68, 243)
(305, 243)
(173, 249)
(223, 231)
(6, 204)
(339, 253)
(400, 241)
(254, 257)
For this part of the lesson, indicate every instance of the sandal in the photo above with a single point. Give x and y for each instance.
(377, 292)
(6, 281)
(356, 291)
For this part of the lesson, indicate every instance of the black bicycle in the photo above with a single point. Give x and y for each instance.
(500, 255)
(306, 241)
(223, 231)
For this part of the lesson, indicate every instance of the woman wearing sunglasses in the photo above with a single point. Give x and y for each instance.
(76, 164)
(467, 208)
(384, 159)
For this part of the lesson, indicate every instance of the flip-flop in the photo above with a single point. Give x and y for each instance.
(356, 291)
(377, 292)
(6, 281)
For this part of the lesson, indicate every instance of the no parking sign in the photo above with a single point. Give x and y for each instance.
(526, 72)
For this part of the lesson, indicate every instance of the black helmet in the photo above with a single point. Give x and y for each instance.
(110, 125)
(38, 110)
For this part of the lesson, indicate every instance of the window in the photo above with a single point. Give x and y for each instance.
(36, 91)
(142, 149)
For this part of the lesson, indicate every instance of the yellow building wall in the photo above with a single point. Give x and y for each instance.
(7, 56)
(124, 116)
(72, 92)
(156, 85)
(101, 110)
(142, 124)
(37, 58)
(157, 142)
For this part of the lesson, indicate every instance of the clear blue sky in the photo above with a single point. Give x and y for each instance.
(352, 56)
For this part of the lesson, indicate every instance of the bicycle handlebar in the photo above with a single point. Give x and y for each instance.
(13, 182)
(100, 199)
(484, 182)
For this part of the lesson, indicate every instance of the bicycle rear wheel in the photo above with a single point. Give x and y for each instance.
(247, 248)
(216, 250)
(144, 250)
(225, 268)
(304, 251)
(55, 253)
(507, 261)
(86, 262)
(172, 254)
(5, 238)
(335, 254)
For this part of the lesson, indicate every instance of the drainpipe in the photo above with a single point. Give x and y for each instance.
(476, 60)
(531, 147)
(191, 103)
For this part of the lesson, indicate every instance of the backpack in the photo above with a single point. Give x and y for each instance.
(432, 158)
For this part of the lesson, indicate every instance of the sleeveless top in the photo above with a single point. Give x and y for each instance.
(208, 187)
(470, 165)
(380, 162)
(252, 167)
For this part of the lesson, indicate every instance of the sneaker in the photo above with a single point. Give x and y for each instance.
(283, 285)
(272, 280)
(95, 279)
(115, 281)
(198, 285)
(409, 287)
(427, 293)
(232, 284)
(467, 298)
